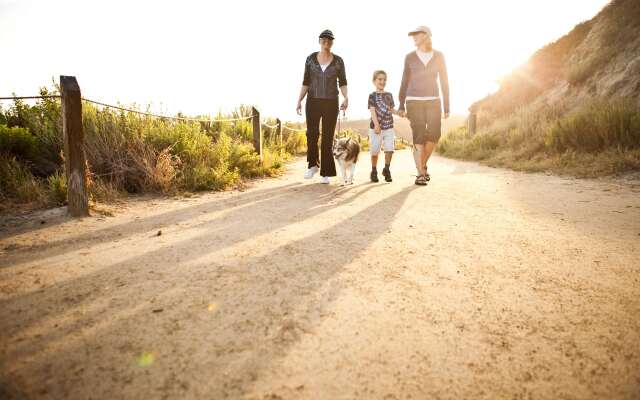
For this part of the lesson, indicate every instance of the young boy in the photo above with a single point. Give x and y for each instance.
(381, 133)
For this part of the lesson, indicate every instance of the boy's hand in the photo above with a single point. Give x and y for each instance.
(377, 129)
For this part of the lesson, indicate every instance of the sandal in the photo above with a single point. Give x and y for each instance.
(421, 180)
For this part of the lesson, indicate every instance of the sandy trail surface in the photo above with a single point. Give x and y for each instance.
(485, 284)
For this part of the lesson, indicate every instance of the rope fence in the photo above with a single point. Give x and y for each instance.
(282, 126)
(134, 111)
(53, 96)
(168, 117)
(73, 136)
(270, 126)
(293, 129)
(211, 120)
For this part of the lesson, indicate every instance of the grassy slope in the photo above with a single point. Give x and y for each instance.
(574, 108)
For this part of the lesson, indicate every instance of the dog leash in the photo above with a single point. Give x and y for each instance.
(341, 114)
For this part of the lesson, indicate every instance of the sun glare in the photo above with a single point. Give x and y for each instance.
(200, 57)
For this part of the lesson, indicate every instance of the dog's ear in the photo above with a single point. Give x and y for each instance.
(348, 139)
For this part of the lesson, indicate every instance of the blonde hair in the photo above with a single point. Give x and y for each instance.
(378, 72)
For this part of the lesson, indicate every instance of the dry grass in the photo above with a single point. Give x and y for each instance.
(130, 153)
(598, 139)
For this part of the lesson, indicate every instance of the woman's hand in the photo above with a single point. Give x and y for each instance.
(345, 95)
(303, 92)
(345, 104)
(402, 113)
(377, 129)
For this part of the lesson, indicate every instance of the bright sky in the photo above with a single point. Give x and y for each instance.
(204, 56)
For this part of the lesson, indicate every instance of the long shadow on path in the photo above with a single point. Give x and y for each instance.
(123, 230)
(290, 205)
(262, 302)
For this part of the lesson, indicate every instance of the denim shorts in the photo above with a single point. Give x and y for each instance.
(385, 139)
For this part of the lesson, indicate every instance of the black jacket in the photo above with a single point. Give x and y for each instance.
(324, 85)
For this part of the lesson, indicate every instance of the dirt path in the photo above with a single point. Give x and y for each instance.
(485, 284)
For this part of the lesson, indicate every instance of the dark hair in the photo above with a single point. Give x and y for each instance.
(378, 72)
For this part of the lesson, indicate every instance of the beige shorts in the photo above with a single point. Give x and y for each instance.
(425, 119)
(383, 140)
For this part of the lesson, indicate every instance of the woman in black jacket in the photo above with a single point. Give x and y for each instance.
(323, 73)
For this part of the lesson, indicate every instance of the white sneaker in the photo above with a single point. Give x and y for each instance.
(324, 180)
(310, 172)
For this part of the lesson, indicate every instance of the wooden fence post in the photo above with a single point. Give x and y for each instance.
(73, 136)
(257, 132)
(472, 123)
(279, 133)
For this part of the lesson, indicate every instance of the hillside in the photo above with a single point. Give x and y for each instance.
(572, 108)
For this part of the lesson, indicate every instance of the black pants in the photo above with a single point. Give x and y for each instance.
(327, 111)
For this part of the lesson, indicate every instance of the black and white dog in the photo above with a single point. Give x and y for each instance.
(345, 151)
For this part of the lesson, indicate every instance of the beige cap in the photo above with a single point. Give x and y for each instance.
(421, 29)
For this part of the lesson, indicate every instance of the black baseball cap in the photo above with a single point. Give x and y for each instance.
(326, 34)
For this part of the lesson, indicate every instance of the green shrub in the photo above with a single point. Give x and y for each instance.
(207, 167)
(295, 142)
(43, 122)
(272, 162)
(364, 143)
(57, 185)
(200, 152)
(203, 177)
(129, 152)
(244, 160)
(454, 142)
(18, 142)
